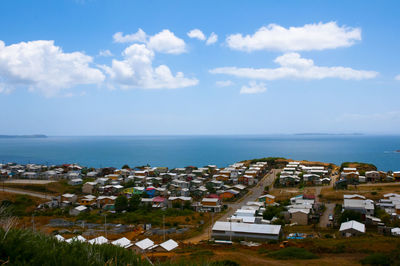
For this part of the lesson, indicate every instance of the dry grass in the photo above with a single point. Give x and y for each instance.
(371, 191)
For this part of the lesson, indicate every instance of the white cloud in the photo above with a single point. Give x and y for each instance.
(253, 88)
(136, 71)
(224, 83)
(197, 34)
(42, 66)
(139, 36)
(166, 42)
(397, 77)
(308, 37)
(292, 65)
(212, 39)
(162, 42)
(105, 53)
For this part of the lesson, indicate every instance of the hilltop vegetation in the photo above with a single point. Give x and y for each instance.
(361, 167)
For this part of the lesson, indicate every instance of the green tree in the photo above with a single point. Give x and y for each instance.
(125, 166)
(121, 203)
(134, 202)
(349, 215)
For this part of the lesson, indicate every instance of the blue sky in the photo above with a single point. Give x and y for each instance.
(259, 67)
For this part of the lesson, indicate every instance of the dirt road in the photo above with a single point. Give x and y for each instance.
(25, 192)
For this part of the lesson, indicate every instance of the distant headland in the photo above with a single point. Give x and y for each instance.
(36, 136)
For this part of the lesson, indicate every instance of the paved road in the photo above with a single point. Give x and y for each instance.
(24, 192)
(252, 195)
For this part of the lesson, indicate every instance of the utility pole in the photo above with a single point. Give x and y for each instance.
(105, 227)
(163, 220)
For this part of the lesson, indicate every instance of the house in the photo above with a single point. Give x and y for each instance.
(228, 194)
(352, 228)
(98, 241)
(88, 200)
(373, 176)
(178, 201)
(75, 182)
(78, 210)
(165, 246)
(395, 231)
(365, 207)
(143, 245)
(299, 216)
(268, 199)
(122, 242)
(105, 200)
(211, 204)
(69, 197)
(89, 187)
(241, 231)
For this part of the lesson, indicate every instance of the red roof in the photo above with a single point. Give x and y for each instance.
(308, 196)
(158, 199)
(213, 196)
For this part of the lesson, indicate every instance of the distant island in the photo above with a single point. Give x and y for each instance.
(329, 134)
(36, 136)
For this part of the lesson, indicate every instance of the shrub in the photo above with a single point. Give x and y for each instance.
(292, 253)
(376, 259)
(24, 247)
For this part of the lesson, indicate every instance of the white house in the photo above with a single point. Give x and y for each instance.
(352, 228)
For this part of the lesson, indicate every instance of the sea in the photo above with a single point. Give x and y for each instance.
(181, 151)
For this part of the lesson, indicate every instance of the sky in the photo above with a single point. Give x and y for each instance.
(199, 67)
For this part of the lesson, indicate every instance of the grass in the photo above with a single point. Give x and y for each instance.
(292, 253)
(25, 247)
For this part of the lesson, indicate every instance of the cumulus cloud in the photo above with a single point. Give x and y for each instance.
(253, 88)
(162, 42)
(292, 65)
(166, 42)
(105, 53)
(224, 83)
(42, 66)
(318, 36)
(139, 36)
(136, 71)
(212, 39)
(196, 34)
(397, 77)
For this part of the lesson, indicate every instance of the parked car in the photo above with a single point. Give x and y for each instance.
(330, 217)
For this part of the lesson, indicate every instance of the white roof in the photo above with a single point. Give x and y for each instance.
(122, 242)
(81, 208)
(247, 228)
(144, 244)
(352, 225)
(267, 196)
(59, 237)
(68, 195)
(76, 238)
(210, 199)
(352, 196)
(395, 231)
(169, 245)
(294, 210)
(98, 240)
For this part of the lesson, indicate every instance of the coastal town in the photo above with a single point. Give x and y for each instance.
(156, 210)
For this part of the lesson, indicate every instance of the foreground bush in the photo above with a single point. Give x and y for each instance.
(377, 259)
(292, 253)
(25, 247)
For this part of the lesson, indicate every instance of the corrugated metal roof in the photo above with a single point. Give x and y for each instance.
(247, 228)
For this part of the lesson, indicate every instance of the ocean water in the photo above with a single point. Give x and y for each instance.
(180, 151)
